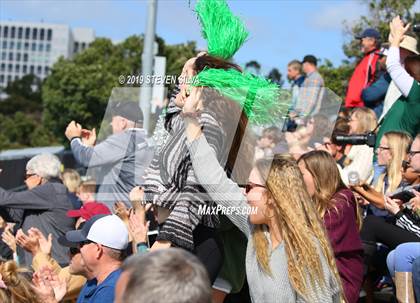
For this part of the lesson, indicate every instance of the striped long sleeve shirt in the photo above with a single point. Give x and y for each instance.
(171, 183)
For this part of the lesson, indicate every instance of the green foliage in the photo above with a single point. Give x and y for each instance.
(259, 98)
(380, 14)
(22, 130)
(20, 115)
(79, 88)
(22, 95)
(336, 78)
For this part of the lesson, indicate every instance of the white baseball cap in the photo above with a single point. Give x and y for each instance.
(107, 230)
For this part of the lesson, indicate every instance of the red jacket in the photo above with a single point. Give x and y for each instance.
(362, 77)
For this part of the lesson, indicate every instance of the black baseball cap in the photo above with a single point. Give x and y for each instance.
(369, 32)
(310, 59)
(128, 110)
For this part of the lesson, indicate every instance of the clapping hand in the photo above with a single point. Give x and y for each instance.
(9, 238)
(45, 244)
(48, 286)
(138, 226)
(397, 31)
(89, 137)
(121, 211)
(28, 242)
(73, 130)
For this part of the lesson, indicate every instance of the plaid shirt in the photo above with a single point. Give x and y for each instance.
(310, 94)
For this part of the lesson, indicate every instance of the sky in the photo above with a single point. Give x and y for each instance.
(280, 30)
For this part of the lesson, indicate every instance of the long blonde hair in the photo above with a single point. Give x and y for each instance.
(367, 119)
(398, 143)
(18, 284)
(327, 179)
(301, 228)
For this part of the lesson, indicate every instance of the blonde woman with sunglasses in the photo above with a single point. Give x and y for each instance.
(288, 258)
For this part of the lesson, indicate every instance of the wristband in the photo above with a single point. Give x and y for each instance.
(73, 138)
(142, 247)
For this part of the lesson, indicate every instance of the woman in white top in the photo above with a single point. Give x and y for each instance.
(362, 121)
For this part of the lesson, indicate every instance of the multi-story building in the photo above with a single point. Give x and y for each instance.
(32, 48)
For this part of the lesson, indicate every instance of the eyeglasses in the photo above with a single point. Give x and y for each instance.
(74, 250)
(81, 244)
(27, 176)
(412, 153)
(249, 186)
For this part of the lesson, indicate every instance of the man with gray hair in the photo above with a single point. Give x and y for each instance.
(171, 275)
(44, 205)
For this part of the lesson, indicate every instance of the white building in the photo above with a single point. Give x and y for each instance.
(32, 48)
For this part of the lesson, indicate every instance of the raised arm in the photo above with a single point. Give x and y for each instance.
(207, 169)
(398, 74)
(221, 189)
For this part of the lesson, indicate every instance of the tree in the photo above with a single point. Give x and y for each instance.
(23, 95)
(20, 115)
(380, 14)
(275, 76)
(23, 130)
(336, 78)
(79, 88)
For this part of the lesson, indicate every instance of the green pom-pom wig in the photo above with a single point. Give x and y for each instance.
(261, 100)
(225, 33)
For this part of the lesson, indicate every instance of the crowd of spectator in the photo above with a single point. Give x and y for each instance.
(327, 208)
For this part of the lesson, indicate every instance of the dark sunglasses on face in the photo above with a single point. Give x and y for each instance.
(249, 186)
(81, 244)
(27, 176)
(74, 250)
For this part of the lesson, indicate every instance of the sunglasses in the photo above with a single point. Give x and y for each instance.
(81, 244)
(74, 251)
(249, 186)
(27, 176)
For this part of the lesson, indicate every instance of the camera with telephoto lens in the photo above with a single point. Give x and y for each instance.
(368, 139)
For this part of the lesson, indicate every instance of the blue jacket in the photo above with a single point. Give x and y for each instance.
(374, 95)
